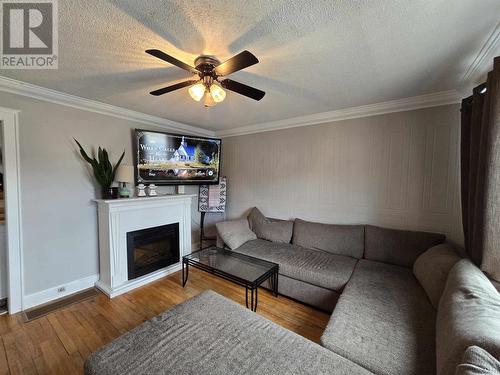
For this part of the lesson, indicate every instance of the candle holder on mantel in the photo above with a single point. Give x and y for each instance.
(152, 190)
(141, 190)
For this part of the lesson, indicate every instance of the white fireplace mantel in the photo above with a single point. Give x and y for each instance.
(117, 217)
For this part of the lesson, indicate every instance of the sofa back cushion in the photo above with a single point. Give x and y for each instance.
(235, 233)
(336, 239)
(468, 314)
(273, 230)
(255, 217)
(432, 268)
(399, 247)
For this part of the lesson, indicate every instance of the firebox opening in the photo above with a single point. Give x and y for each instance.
(152, 249)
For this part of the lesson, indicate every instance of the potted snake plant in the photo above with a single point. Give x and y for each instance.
(104, 171)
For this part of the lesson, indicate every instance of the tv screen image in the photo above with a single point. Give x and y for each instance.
(169, 159)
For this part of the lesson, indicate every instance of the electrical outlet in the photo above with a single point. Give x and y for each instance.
(61, 289)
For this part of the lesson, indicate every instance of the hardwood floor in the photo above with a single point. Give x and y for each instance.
(60, 342)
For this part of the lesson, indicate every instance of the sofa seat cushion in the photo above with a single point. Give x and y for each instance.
(314, 267)
(212, 335)
(313, 295)
(384, 322)
(468, 314)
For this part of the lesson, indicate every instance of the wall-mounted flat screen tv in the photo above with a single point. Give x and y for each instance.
(173, 159)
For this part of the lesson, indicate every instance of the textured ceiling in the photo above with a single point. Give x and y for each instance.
(315, 56)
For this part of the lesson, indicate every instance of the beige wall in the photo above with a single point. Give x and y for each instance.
(397, 170)
(59, 217)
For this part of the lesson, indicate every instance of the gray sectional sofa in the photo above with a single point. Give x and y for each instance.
(319, 259)
(382, 286)
(402, 302)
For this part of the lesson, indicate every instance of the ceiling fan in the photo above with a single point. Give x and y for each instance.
(209, 86)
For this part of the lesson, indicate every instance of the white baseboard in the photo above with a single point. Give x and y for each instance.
(47, 295)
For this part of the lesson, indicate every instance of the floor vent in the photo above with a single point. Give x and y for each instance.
(42, 310)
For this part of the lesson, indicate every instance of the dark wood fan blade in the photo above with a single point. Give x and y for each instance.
(243, 89)
(177, 86)
(172, 60)
(241, 61)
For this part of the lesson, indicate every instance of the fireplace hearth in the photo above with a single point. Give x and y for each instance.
(152, 249)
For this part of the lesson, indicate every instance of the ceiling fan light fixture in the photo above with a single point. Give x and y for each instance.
(217, 93)
(208, 100)
(197, 91)
(208, 70)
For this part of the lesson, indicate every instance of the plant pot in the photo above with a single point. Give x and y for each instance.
(110, 193)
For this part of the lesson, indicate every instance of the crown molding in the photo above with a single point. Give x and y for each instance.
(14, 86)
(407, 104)
(399, 105)
(484, 58)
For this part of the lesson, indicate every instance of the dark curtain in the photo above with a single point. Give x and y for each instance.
(480, 173)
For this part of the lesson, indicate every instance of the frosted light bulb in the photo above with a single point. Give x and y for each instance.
(218, 94)
(197, 91)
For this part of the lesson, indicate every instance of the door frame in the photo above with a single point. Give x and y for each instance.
(12, 195)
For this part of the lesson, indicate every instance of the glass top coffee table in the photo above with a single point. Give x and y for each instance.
(238, 268)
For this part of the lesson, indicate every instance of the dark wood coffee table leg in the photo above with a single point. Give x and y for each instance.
(273, 283)
(254, 295)
(256, 299)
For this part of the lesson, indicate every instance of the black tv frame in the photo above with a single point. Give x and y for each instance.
(172, 183)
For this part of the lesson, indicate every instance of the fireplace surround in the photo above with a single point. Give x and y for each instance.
(120, 219)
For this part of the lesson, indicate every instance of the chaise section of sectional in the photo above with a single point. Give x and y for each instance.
(384, 321)
(212, 335)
